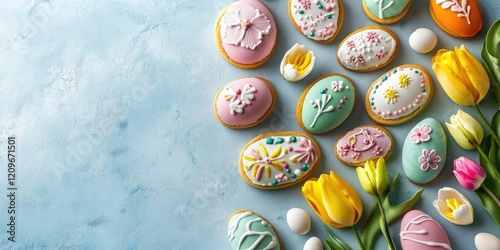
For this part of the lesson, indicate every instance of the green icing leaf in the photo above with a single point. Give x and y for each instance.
(372, 228)
(489, 53)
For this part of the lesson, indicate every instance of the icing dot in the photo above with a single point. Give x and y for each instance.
(269, 141)
(313, 30)
(304, 27)
(374, 108)
(333, 5)
(422, 85)
(290, 149)
(322, 91)
(400, 111)
(419, 96)
(293, 176)
(301, 11)
(423, 90)
(311, 102)
(417, 101)
(288, 170)
(268, 160)
(298, 172)
(389, 113)
(404, 108)
(304, 167)
(293, 139)
(346, 87)
(341, 101)
(285, 165)
(384, 78)
(238, 91)
(429, 160)
(327, 8)
(330, 17)
(339, 106)
(274, 183)
(280, 140)
(301, 18)
(316, 1)
(320, 6)
(376, 86)
(379, 112)
(329, 32)
(410, 106)
(416, 71)
(311, 34)
(345, 97)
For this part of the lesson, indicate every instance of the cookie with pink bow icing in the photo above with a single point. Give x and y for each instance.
(279, 159)
(399, 95)
(364, 143)
(245, 33)
(244, 102)
(318, 20)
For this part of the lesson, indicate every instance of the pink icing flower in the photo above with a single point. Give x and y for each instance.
(360, 60)
(245, 27)
(306, 152)
(381, 53)
(281, 177)
(351, 59)
(356, 155)
(421, 134)
(429, 160)
(344, 149)
(377, 151)
(372, 36)
(350, 44)
(306, 4)
(469, 174)
(378, 133)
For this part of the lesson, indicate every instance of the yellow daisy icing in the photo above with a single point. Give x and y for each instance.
(391, 95)
(404, 81)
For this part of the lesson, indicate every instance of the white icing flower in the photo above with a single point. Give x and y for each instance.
(245, 27)
(454, 207)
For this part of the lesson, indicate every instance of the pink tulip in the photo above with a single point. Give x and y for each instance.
(469, 174)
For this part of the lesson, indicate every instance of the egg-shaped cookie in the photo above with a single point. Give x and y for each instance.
(364, 143)
(248, 230)
(422, 232)
(424, 152)
(459, 18)
(386, 11)
(244, 102)
(318, 20)
(367, 49)
(326, 103)
(279, 159)
(399, 95)
(245, 33)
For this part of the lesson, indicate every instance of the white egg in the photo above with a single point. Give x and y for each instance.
(313, 243)
(423, 40)
(486, 241)
(298, 220)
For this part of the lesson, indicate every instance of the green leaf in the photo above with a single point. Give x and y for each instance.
(489, 204)
(338, 243)
(331, 245)
(372, 228)
(489, 53)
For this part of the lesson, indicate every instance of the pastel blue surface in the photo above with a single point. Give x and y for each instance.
(117, 143)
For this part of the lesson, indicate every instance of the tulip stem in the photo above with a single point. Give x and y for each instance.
(491, 194)
(390, 242)
(360, 242)
(490, 167)
(488, 126)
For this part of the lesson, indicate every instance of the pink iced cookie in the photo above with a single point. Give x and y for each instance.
(245, 33)
(244, 102)
(363, 143)
(420, 231)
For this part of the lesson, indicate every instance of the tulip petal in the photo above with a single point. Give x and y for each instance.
(462, 215)
(476, 72)
(452, 84)
(466, 181)
(349, 193)
(312, 192)
(382, 175)
(459, 137)
(471, 125)
(364, 180)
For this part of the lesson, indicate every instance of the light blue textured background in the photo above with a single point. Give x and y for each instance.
(118, 146)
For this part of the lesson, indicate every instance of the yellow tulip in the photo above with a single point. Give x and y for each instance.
(373, 178)
(466, 130)
(334, 201)
(461, 75)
